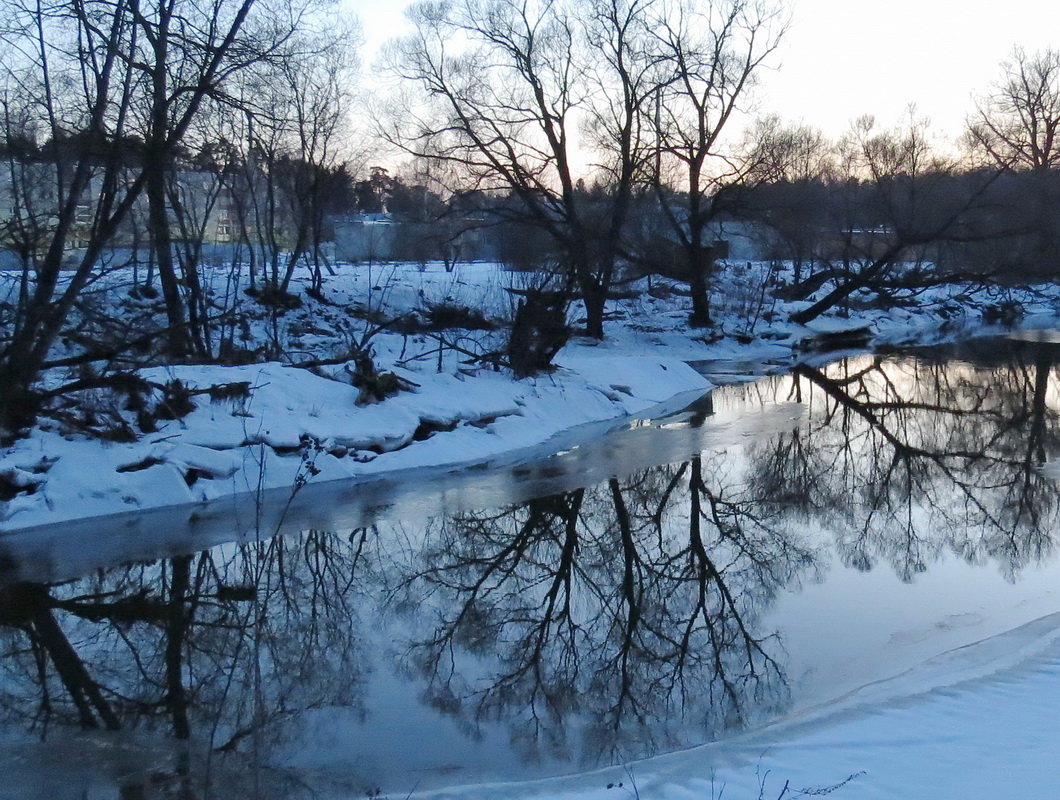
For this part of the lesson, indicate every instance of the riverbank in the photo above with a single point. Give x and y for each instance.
(219, 431)
(296, 427)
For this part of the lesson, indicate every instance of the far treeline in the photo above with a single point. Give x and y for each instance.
(589, 141)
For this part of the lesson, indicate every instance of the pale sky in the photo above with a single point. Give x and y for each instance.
(844, 58)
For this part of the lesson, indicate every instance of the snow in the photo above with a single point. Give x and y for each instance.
(295, 422)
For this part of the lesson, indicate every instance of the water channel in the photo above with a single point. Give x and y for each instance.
(774, 545)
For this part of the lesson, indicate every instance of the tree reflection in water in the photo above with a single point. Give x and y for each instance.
(227, 648)
(905, 459)
(610, 621)
(595, 625)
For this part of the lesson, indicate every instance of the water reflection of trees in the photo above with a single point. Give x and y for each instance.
(905, 459)
(226, 648)
(595, 623)
(612, 620)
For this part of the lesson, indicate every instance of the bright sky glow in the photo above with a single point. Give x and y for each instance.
(844, 58)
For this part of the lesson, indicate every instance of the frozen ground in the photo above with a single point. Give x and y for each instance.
(299, 425)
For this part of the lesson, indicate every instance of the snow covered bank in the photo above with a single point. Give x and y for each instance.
(295, 426)
(299, 426)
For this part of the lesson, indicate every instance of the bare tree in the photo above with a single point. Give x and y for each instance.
(117, 86)
(78, 48)
(309, 96)
(625, 75)
(1016, 127)
(787, 152)
(321, 98)
(292, 132)
(794, 165)
(1018, 123)
(712, 53)
(898, 201)
(507, 87)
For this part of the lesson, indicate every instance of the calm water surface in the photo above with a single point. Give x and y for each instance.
(679, 580)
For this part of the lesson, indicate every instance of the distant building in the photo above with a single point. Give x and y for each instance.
(737, 240)
(365, 237)
(383, 237)
(204, 198)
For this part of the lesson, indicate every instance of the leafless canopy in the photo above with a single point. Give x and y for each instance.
(539, 98)
(1017, 124)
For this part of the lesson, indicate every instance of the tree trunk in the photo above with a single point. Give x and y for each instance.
(176, 631)
(700, 261)
(595, 298)
(162, 242)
